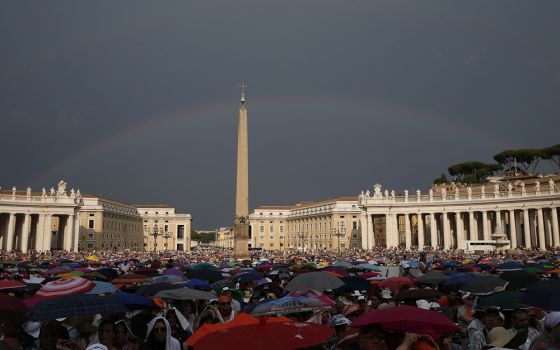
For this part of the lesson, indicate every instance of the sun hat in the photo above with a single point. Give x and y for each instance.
(499, 337)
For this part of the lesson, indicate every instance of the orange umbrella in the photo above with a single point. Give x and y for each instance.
(242, 319)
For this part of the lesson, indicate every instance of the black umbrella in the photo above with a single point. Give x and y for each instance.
(153, 289)
(543, 295)
(356, 283)
(519, 279)
(484, 285)
(506, 300)
(206, 275)
(77, 304)
(433, 277)
(318, 280)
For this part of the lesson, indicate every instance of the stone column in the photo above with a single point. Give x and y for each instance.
(473, 235)
(499, 224)
(527, 229)
(433, 230)
(518, 229)
(555, 231)
(446, 231)
(393, 236)
(241, 228)
(420, 222)
(25, 232)
(68, 231)
(407, 233)
(39, 232)
(512, 229)
(76, 232)
(485, 228)
(47, 234)
(11, 232)
(460, 231)
(540, 223)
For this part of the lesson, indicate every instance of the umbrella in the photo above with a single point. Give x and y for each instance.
(129, 279)
(506, 300)
(173, 271)
(310, 293)
(110, 273)
(65, 287)
(396, 283)
(533, 268)
(543, 295)
(288, 305)
(186, 294)
(408, 319)
(484, 285)
(369, 267)
(246, 276)
(198, 284)
(153, 289)
(165, 278)
(12, 309)
(337, 271)
(135, 301)
(433, 277)
(457, 279)
(203, 266)
(95, 275)
(356, 283)
(206, 275)
(509, 266)
(268, 334)
(93, 258)
(417, 293)
(343, 264)
(73, 305)
(317, 280)
(519, 279)
(8, 285)
(102, 288)
(57, 270)
(241, 320)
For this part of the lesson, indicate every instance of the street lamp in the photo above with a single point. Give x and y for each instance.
(166, 236)
(155, 232)
(301, 236)
(338, 232)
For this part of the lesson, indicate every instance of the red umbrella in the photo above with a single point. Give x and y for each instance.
(4, 285)
(64, 287)
(267, 335)
(406, 318)
(396, 283)
(11, 308)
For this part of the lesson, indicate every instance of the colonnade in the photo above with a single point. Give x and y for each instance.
(38, 231)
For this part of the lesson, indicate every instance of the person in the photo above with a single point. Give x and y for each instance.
(179, 324)
(159, 336)
(52, 335)
(492, 318)
(520, 322)
(465, 312)
(550, 338)
(121, 340)
(225, 311)
(106, 333)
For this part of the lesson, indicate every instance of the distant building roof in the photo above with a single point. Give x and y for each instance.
(152, 206)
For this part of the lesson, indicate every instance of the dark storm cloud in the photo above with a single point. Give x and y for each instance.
(137, 100)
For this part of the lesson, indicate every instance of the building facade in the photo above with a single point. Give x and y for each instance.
(163, 229)
(328, 225)
(39, 220)
(224, 237)
(507, 214)
(107, 224)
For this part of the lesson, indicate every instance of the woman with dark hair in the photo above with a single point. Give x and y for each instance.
(159, 336)
(179, 324)
(121, 340)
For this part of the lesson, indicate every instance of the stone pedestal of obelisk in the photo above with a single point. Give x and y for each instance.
(241, 226)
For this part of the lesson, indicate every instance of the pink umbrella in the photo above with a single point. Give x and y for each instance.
(173, 271)
(4, 285)
(310, 293)
(64, 287)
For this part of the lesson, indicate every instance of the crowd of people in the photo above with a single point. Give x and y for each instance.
(355, 299)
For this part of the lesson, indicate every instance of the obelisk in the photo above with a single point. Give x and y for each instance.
(241, 225)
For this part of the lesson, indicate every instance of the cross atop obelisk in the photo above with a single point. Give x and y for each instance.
(241, 227)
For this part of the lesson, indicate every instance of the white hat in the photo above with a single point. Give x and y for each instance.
(96, 346)
(386, 293)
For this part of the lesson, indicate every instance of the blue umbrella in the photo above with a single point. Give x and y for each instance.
(509, 266)
(198, 284)
(102, 288)
(77, 304)
(457, 279)
(135, 301)
(246, 276)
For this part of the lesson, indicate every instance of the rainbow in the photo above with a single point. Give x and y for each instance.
(420, 119)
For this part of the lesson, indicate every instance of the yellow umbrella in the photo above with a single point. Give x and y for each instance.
(93, 257)
(70, 274)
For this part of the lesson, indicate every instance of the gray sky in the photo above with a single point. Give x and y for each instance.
(137, 100)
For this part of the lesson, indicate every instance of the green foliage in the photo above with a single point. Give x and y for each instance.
(527, 157)
(472, 171)
(552, 153)
(202, 237)
(440, 180)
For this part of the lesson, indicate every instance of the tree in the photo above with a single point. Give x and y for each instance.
(441, 180)
(472, 171)
(527, 157)
(552, 153)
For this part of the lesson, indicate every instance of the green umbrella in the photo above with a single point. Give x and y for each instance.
(534, 269)
(204, 266)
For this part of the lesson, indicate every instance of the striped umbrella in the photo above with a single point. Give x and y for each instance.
(5, 285)
(65, 287)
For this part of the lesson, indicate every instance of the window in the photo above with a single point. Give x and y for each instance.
(261, 229)
(91, 214)
(271, 245)
(271, 237)
(354, 225)
(271, 228)
(91, 223)
(156, 212)
(180, 231)
(281, 228)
